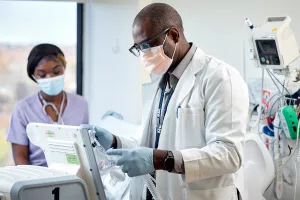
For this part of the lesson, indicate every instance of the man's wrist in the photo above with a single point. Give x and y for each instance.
(159, 157)
(114, 144)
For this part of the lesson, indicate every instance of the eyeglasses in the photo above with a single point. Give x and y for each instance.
(136, 48)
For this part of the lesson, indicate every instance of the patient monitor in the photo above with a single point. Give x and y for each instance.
(69, 149)
(72, 171)
(275, 44)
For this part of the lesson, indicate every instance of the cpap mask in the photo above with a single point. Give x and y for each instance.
(114, 175)
(106, 164)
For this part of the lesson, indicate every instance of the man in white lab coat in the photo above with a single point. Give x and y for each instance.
(194, 135)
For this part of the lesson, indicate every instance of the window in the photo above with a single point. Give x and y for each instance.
(24, 25)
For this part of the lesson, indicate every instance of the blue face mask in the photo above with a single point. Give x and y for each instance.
(52, 86)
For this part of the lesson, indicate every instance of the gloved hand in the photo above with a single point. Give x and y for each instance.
(104, 137)
(112, 113)
(136, 162)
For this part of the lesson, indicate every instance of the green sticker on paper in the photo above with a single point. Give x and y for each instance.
(72, 159)
(50, 133)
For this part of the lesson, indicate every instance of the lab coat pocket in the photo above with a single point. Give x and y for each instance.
(222, 193)
(190, 127)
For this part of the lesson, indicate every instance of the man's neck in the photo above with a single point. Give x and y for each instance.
(181, 54)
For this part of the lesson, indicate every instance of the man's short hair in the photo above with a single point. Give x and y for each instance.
(161, 16)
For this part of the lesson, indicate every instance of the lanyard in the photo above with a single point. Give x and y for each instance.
(161, 113)
(45, 104)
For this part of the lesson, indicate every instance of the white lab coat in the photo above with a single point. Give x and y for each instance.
(208, 129)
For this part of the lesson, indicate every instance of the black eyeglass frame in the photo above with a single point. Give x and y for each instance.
(136, 48)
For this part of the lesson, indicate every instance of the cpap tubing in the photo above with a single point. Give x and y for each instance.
(148, 180)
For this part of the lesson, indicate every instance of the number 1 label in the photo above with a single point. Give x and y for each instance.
(55, 192)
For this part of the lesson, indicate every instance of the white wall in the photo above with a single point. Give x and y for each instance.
(110, 72)
(111, 79)
(218, 26)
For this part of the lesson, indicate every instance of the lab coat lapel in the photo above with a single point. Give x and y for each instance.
(187, 81)
(183, 89)
(147, 133)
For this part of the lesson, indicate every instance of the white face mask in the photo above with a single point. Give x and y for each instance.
(52, 86)
(155, 60)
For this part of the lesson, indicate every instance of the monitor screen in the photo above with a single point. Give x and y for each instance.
(266, 46)
(267, 52)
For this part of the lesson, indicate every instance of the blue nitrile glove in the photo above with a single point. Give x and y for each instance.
(113, 114)
(104, 137)
(134, 162)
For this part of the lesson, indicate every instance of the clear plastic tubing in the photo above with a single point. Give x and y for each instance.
(110, 163)
(150, 185)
